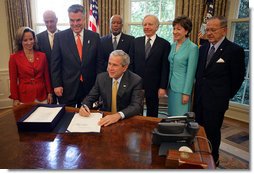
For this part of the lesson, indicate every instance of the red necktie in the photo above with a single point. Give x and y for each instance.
(79, 47)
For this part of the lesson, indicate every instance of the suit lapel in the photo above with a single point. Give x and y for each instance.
(110, 44)
(218, 52)
(108, 89)
(47, 44)
(73, 46)
(123, 85)
(121, 42)
(141, 46)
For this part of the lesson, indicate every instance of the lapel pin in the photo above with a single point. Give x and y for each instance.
(124, 86)
(88, 41)
(221, 49)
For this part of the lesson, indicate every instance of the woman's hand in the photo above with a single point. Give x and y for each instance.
(50, 98)
(185, 99)
(16, 103)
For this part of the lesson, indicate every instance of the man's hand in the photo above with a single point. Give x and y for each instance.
(58, 91)
(162, 92)
(109, 119)
(84, 111)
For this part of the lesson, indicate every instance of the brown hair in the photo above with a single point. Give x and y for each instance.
(19, 38)
(185, 22)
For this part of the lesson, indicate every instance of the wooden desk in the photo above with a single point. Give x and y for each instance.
(124, 145)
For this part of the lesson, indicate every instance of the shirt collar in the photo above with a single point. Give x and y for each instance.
(152, 39)
(81, 33)
(51, 34)
(216, 46)
(117, 36)
(118, 80)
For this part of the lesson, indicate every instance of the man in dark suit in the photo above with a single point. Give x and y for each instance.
(129, 97)
(45, 39)
(218, 78)
(116, 39)
(149, 56)
(76, 59)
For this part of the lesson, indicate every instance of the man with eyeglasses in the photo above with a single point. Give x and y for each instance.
(219, 76)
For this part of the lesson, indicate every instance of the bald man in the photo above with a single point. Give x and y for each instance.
(122, 41)
(152, 66)
(46, 38)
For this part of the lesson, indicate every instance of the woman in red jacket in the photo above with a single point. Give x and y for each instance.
(28, 71)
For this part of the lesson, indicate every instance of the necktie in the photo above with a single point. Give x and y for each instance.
(114, 95)
(210, 55)
(79, 47)
(51, 40)
(115, 43)
(147, 47)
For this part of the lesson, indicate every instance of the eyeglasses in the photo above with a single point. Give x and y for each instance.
(212, 30)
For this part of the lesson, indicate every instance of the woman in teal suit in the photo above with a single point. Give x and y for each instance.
(183, 60)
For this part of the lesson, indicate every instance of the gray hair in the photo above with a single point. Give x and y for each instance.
(222, 19)
(157, 22)
(125, 57)
(75, 8)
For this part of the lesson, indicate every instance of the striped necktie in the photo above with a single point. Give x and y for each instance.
(148, 47)
(210, 55)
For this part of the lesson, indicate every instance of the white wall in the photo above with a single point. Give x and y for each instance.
(4, 58)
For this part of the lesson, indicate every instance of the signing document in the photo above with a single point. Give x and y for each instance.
(43, 114)
(85, 124)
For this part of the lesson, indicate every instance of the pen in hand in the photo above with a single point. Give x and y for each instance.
(86, 108)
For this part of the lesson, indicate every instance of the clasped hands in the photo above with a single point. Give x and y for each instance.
(105, 121)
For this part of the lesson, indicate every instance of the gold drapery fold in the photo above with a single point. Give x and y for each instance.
(106, 8)
(19, 14)
(196, 10)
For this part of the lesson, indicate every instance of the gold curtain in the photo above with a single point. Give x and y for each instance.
(19, 13)
(196, 10)
(106, 8)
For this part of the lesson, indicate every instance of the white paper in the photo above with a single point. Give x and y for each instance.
(43, 114)
(85, 124)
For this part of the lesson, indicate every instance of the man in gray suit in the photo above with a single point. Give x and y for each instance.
(129, 100)
(76, 59)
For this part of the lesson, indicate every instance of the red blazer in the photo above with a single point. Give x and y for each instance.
(29, 81)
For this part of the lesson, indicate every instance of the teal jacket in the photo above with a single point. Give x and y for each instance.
(183, 65)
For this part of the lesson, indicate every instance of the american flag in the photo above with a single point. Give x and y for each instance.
(209, 14)
(94, 17)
